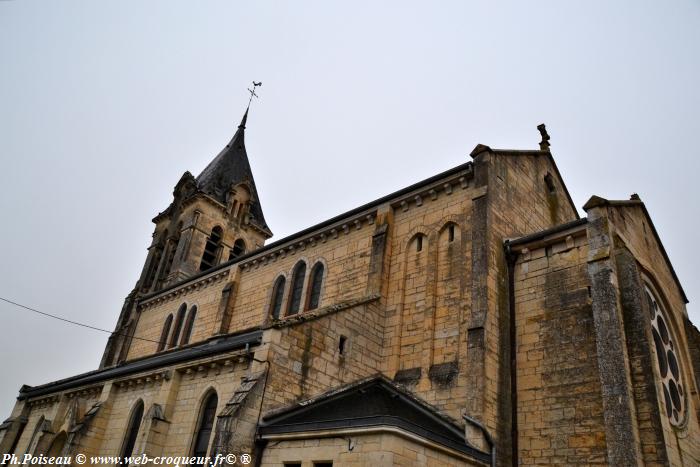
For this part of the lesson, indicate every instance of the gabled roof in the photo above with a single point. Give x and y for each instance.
(368, 403)
(229, 168)
(597, 201)
(529, 152)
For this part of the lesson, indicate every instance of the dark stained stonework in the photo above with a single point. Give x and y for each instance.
(637, 333)
(620, 419)
(407, 377)
(443, 373)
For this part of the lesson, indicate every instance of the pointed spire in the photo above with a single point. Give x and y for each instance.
(244, 120)
(229, 168)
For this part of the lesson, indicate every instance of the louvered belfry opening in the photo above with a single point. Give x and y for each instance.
(211, 249)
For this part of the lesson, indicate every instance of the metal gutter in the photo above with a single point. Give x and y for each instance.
(212, 347)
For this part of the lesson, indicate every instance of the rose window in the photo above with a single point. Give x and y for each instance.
(667, 361)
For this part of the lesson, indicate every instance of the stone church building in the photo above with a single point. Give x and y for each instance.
(472, 318)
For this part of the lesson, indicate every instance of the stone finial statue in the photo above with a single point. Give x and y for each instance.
(544, 144)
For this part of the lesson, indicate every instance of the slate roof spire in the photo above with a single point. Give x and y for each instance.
(244, 120)
(229, 168)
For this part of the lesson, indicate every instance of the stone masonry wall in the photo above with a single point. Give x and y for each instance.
(346, 262)
(560, 419)
(172, 399)
(427, 298)
(378, 450)
(521, 194)
(306, 358)
(205, 295)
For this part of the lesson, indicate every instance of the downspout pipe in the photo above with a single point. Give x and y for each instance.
(511, 258)
(487, 435)
(259, 443)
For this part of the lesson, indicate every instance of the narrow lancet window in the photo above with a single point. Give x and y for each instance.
(178, 325)
(164, 334)
(189, 325)
(132, 430)
(277, 296)
(315, 285)
(57, 445)
(204, 426)
(171, 249)
(155, 261)
(549, 182)
(297, 288)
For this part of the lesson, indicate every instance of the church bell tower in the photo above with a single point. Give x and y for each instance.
(213, 218)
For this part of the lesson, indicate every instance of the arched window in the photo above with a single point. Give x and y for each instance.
(419, 242)
(57, 445)
(211, 249)
(132, 429)
(315, 284)
(204, 426)
(126, 344)
(155, 261)
(549, 182)
(297, 287)
(189, 324)
(178, 325)
(277, 296)
(171, 249)
(234, 209)
(164, 334)
(237, 250)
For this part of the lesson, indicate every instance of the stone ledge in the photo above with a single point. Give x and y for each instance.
(201, 283)
(321, 312)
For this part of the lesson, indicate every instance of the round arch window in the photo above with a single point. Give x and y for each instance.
(667, 361)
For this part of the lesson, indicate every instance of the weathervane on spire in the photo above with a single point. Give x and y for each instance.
(252, 91)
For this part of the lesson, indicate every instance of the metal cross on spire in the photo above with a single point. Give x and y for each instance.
(252, 91)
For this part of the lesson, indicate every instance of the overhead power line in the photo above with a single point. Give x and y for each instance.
(94, 328)
(76, 323)
(66, 320)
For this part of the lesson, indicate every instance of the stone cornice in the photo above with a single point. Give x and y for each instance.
(432, 192)
(44, 401)
(205, 197)
(86, 391)
(331, 232)
(216, 364)
(142, 380)
(185, 288)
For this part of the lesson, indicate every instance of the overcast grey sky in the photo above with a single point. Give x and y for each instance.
(103, 106)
